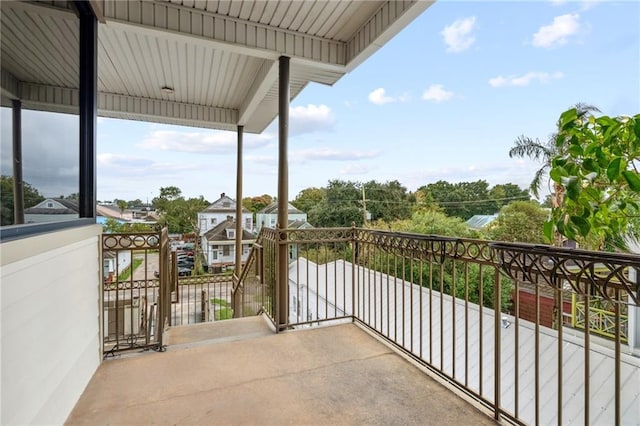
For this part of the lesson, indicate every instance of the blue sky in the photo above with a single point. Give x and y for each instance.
(445, 99)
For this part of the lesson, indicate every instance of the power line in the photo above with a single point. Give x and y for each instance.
(441, 203)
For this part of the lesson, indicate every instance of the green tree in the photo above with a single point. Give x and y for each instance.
(176, 213)
(545, 152)
(122, 205)
(431, 222)
(462, 199)
(112, 226)
(341, 207)
(504, 194)
(308, 198)
(388, 201)
(596, 167)
(520, 221)
(135, 203)
(255, 204)
(470, 277)
(30, 194)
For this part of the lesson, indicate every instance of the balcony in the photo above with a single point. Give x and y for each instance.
(243, 373)
(359, 303)
(443, 303)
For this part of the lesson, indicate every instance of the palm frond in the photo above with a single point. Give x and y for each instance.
(585, 109)
(536, 183)
(524, 146)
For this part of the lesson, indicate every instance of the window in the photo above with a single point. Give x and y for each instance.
(225, 250)
(49, 166)
(247, 223)
(50, 140)
(231, 233)
(214, 220)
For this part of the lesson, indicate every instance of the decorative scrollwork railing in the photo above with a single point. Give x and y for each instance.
(605, 275)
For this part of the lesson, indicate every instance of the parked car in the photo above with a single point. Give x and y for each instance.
(184, 272)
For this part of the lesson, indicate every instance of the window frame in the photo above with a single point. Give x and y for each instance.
(87, 117)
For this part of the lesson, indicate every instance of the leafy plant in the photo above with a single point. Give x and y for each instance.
(598, 172)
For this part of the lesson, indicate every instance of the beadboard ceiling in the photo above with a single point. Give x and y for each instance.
(219, 57)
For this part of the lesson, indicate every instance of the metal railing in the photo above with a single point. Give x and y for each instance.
(452, 305)
(143, 294)
(201, 298)
(133, 315)
(255, 289)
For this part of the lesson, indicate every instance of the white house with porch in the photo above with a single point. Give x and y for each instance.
(218, 244)
(219, 211)
(268, 217)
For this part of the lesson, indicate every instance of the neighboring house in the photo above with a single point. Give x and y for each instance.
(112, 211)
(114, 265)
(218, 244)
(138, 214)
(297, 224)
(52, 210)
(269, 217)
(59, 209)
(481, 221)
(219, 211)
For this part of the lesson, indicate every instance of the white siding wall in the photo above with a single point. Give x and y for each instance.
(50, 323)
(270, 219)
(124, 260)
(204, 220)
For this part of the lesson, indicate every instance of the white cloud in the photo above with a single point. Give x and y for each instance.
(267, 160)
(379, 97)
(436, 93)
(518, 172)
(525, 79)
(458, 36)
(354, 169)
(584, 5)
(214, 142)
(558, 32)
(589, 4)
(118, 160)
(328, 154)
(127, 165)
(310, 119)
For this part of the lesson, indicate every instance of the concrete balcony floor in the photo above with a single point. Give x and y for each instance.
(239, 372)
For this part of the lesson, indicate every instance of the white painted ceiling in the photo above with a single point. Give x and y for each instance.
(219, 57)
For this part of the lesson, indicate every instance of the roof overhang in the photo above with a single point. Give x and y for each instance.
(210, 64)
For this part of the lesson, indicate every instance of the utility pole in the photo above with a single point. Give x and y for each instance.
(364, 208)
